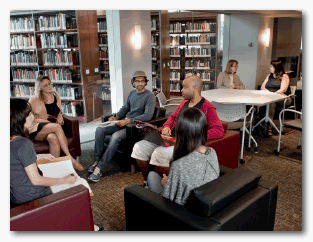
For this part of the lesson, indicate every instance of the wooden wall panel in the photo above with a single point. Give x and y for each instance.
(89, 59)
(165, 52)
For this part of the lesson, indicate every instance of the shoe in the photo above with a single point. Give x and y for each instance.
(92, 167)
(77, 166)
(95, 176)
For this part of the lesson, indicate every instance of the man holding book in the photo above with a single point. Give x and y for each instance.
(159, 156)
(140, 105)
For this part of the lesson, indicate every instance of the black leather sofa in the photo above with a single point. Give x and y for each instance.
(237, 200)
(125, 149)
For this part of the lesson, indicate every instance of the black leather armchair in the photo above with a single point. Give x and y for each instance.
(237, 200)
(125, 149)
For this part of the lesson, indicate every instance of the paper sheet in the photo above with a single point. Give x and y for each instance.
(61, 169)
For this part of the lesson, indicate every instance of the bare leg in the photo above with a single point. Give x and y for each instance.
(54, 146)
(58, 131)
(144, 168)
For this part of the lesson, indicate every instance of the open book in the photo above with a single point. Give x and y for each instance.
(58, 168)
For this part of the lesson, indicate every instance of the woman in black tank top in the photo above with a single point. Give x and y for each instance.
(48, 102)
(277, 81)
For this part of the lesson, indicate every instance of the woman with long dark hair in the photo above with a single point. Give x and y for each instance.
(193, 164)
(26, 180)
(277, 81)
(48, 118)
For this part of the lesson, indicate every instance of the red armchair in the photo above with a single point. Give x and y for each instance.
(226, 148)
(71, 131)
(68, 210)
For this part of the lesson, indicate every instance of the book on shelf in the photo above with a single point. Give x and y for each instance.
(59, 168)
(200, 27)
(24, 75)
(59, 75)
(22, 25)
(102, 26)
(59, 22)
(67, 92)
(23, 59)
(22, 42)
(23, 90)
(154, 24)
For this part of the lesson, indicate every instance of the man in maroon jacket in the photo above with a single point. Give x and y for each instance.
(160, 156)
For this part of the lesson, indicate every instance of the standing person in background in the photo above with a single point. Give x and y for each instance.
(46, 108)
(228, 79)
(140, 105)
(277, 81)
(193, 164)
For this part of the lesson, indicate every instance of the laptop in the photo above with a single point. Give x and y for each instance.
(151, 133)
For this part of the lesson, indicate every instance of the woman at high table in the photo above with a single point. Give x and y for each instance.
(228, 79)
(277, 81)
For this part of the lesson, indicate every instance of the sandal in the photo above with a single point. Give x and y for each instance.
(77, 166)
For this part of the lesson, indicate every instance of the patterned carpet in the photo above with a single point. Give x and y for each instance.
(286, 170)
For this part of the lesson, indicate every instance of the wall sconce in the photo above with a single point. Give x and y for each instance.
(266, 37)
(136, 39)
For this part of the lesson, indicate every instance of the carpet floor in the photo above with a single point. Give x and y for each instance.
(285, 169)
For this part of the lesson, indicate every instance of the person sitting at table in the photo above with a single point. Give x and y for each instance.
(46, 108)
(161, 156)
(228, 78)
(193, 164)
(277, 81)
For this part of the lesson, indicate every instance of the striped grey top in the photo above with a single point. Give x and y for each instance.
(189, 172)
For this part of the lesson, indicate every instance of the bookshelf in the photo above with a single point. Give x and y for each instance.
(104, 63)
(155, 52)
(192, 51)
(50, 43)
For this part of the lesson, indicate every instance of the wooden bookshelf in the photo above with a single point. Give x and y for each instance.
(192, 51)
(54, 43)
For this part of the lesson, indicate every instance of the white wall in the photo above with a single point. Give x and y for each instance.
(124, 59)
(264, 52)
(244, 29)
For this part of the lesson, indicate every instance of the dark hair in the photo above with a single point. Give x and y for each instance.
(190, 132)
(133, 79)
(19, 111)
(279, 69)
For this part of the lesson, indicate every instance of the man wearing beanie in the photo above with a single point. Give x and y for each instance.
(140, 105)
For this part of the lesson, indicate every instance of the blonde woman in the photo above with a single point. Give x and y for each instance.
(228, 79)
(48, 118)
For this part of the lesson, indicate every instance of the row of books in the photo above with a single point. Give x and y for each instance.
(104, 53)
(103, 39)
(175, 64)
(24, 75)
(177, 51)
(176, 27)
(105, 66)
(200, 64)
(154, 24)
(154, 53)
(23, 59)
(58, 22)
(60, 58)
(18, 42)
(200, 39)
(202, 51)
(106, 95)
(175, 86)
(204, 75)
(73, 109)
(154, 39)
(24, 90)
(59, 75)
(156, 83)
(207, 86)
(67, 92)
(22, 25)
(200, 27)
(175, 75)
(102, 26)
(155, 68)
(57, 40)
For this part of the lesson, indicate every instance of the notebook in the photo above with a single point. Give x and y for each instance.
(151, 133)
